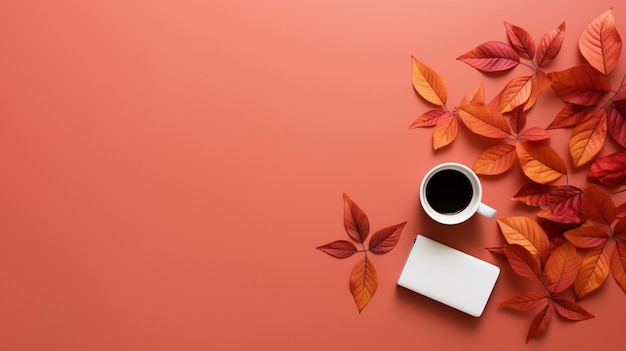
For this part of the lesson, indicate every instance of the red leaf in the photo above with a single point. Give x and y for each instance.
(570, 310)
(339, 248)
(535, 134)
(618, 264)
(523, 262)
(569, 210)
(428, 119)
(484, 120)
(492, 56)
(550, 45)
(355, 220)
(495, 160)
(570, 115)
(561, 268)
(598, 205)
(541, 322)
(587, 236)
(527, 301)
(496, 250)
(616, 118)
(536, 195)
(428, 83)
(581, 85)
(475, 97)
(609, 170)
(515, 93)
(620, 228)
(540, 162)
(386, 239)
(621, 211)
(363, 282)
(521, 41)
(600, 43)
(593, 272)
(525, 232)
(518, 119)
(446, 131)
(588, 138)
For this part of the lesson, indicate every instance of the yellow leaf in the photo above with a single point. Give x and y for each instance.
(593, 272)
(428, 83)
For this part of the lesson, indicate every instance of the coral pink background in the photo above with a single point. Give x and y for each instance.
(168, 167)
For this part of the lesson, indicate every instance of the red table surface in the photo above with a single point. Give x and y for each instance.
(167, 169)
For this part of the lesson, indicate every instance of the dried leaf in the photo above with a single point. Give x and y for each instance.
(484, 120)
(593, 272)
(570, 310)
(496, 250)
(355, 220)
(561, 268)
(521, 41)
(598, 205)
(518, 119)
(515, 93)
(525, 232)
(495, 160)
(428, 119)
(428, 83)
(621, 211)
(618, 264)
(475, 97)
(616, 118)
(600, 43)
(609, 170)
(491, 56)
(527, 301)
(587, 236)
(534, 194)
(339, 248)
(540, 162)
(588, 138)
(540, 82)
(384, 240)
(523, 262)
(550, 45)
(535, 134)
(619, 231)
(570, 115)
(580, 85)
(363, 282)
(446, 131)
(569, 211)
(541, 322)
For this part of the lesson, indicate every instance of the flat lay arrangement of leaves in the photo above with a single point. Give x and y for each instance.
(573, 221)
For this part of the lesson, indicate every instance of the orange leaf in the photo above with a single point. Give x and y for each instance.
(535, 134)
(523, 262)
(620, 228)
(618, 264)
(355, 220)
(527, 301)
(570, 115)
(541, 322)
(587, 236)
(363, 282)
(428, 83)
(521, 41)
(550, 45)
(491, 56)
(384, 240)
(588, 138)
(540, 83)
(616, 117)
(561, 268)
(525, 232)
(593, 272)
(484, 120)
(598, 205)
(518, 119)
(580, 85)
(515, 93)
(495, 160)
(570, 310)
(446, 131)
(339, 248)
(600, 43)
(540, 162)
(475, 97)
(428, 119)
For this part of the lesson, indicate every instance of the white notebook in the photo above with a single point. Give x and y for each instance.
(449, 276)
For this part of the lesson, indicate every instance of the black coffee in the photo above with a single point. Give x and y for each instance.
(449, 191)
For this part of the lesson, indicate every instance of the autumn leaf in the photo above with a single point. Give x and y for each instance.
(534, 194)
(550, 45)
(484, 120)
(540, 82)
(598, 205)
(618, 264)
(570, 310)
(525, 232)
(491, 56)
(616, 118)
(446, 131)
(496, 250)
(515, 93)
(523, 262)
(540, 162)
(568, 211)
(384, 240)
(428, 83)
(355, 220)
(600, 43)
(619, 231)
(570, 115)
(521, 41)
(580, 85)
(495, 160)
(518, 119)
(586, 236)
(593, 272)
(363, 282)
(339, 248)
(477, 96)
(609, 170)
(428, 119)
(561, 268)
(621, 211)
(527, 301)
(588, 138)
(535, 134)
(541, 322)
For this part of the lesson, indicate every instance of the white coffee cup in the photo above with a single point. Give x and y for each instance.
(451, 193)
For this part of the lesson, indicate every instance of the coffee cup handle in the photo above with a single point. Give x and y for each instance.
(486, 210)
